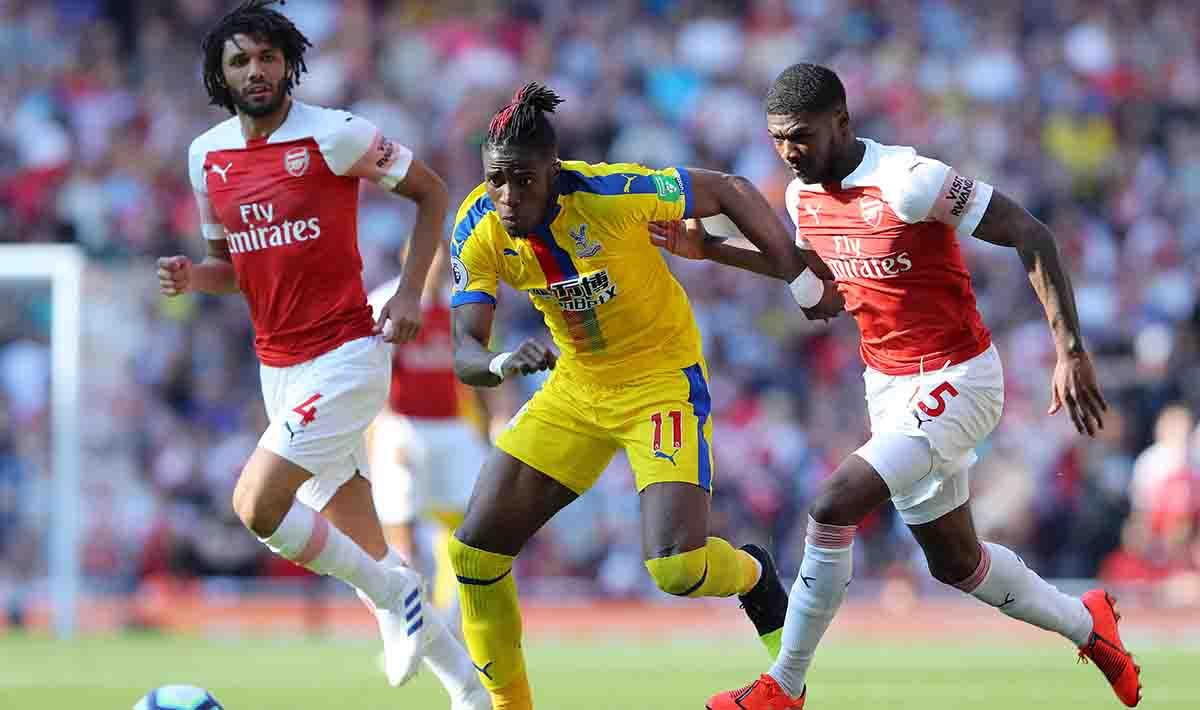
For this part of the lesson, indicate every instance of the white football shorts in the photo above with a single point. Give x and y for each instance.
(422, 465)
(320, 411)
(947, 412)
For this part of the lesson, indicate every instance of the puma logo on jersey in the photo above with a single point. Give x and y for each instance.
(660, 454)
(813, 211)
(222, 171)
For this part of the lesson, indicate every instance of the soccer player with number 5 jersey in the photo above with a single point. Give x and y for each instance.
(277, 189)
(886, 221)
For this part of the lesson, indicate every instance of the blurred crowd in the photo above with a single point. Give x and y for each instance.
(1084, 111)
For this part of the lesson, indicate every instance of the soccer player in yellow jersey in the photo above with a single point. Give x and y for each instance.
(631, 374)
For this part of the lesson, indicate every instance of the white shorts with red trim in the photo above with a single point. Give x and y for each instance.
(320, 410)
(924, 430)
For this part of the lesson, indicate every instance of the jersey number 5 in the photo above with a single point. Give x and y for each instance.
(676, 417)
(937, 394)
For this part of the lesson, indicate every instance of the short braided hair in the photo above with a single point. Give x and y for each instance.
(523, 121)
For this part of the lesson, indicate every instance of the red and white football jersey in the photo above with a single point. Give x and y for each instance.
(423, 381)
(890, 236)
(288, 205)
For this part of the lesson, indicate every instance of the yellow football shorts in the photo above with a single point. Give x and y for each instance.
(570, 430)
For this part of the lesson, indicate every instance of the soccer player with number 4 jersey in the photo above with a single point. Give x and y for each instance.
(277, 189)
(886, 221)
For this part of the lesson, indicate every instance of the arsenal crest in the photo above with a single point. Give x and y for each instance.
(296, 161)
(872, 210)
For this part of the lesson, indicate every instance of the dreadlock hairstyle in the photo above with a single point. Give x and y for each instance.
(805, 87)
(254, 18)
(523, 122)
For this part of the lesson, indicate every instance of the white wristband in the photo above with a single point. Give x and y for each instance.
(496, 366)
(807, 289)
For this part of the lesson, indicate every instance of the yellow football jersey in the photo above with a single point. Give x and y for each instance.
(613, 308)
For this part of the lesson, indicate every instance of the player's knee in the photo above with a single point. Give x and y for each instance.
(473, 534)
(852, 492)
(834, 505)
(243, 504)
(251, 508)
(951, 568)
(679, 574)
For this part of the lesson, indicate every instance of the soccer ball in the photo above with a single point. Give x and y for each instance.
(178, 697)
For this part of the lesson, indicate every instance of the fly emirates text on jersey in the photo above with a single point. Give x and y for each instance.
(263, 233)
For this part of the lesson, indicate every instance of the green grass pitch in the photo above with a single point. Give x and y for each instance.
(318, 674)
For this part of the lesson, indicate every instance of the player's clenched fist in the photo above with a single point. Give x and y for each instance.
(174, 275)
(680, 237)
(531, 357)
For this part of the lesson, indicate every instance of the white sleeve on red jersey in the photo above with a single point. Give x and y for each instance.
(353, 146)
(927, 190)
(792, 200)
(210, 226)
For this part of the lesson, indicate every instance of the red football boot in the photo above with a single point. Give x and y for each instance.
(1105, 649)
(762, 694)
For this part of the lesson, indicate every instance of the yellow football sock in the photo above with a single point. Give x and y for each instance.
(715, 570)
(492, 623)
(445, 584)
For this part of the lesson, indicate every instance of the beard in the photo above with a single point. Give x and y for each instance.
(256, 108)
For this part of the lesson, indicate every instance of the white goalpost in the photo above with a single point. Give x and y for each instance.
(62, 266)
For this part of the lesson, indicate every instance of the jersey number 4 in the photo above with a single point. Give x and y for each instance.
(676, 418)
(307, 410)
(937, 395)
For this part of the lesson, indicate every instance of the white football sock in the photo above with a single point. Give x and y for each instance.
(816, 596)
(1003, 581)
(393, 559)
(448, 659)
(309, 540)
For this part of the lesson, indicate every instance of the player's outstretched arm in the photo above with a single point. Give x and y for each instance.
(215, 275)
(688, 238)
(424, 187)
(1008, 224)
(815, 291)
(477, 366)
(736, 197)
